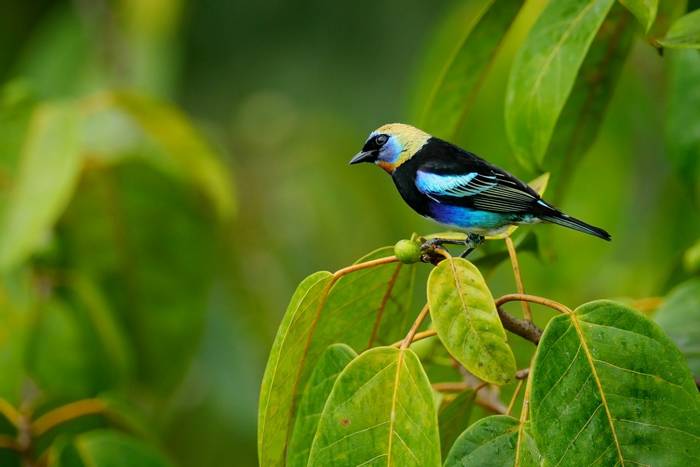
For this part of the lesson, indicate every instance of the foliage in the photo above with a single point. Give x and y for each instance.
(605, 384)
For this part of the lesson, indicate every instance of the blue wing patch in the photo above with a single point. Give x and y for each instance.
(430, 183)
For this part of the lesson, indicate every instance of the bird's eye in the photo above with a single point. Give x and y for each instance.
(381, 140)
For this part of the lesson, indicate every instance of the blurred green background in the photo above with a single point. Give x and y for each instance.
(163, 283)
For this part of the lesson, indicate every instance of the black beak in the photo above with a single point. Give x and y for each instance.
(363, 156)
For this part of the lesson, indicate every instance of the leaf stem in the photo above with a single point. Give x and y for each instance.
(367, 264)
(515, 396)
(514, 297)
(416, 324)
(451, 387)
(527, 312)
(66, 413)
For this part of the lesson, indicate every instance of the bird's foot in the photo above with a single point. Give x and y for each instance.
(473, 240)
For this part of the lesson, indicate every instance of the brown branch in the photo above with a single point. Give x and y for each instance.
(527, 313)
(451, 387)
(66, 413)
(523, 328)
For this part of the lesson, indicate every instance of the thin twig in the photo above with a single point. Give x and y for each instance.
(419, 336)
(367, 264)
(522, 374)
(523, 418)
(515, 396)
(7, 442)
(65, 413)
(514, 297)
(451, 387)
(416, 324)
(527, 312)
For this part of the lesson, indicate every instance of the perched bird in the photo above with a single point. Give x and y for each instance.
(457, 188)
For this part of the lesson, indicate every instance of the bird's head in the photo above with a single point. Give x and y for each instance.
(391, 145)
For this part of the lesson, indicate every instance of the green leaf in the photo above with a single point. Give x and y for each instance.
(610, 387)
(683, 122)
(318, 388)
(453, 418)
(583, 114)
(183, 152)
(105, 448)
(643, 10)
(381, 412)
(49, 168)
(466, 320)
(494, 441)
(544, 72)
(159, 286)
(288, 351)
(455, 90)
(679, 316)
(684, 33)
(364, 308)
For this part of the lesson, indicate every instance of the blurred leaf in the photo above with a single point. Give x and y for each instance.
(318, 388)
(691, 258)
(453, 418)
(47, 176)
(584, 111)
(157, 284)
(684, 33)
(56, 357)
(184, 153)
(17, 304)
(683, 122)
(643, 10)
(401, 427)
(109, 335)
(105, 448)
(277, 394)
(679, 316)
(609, 386)
(494, 441)
(453, 94)
(544, 73)
(355, 308)
(465, 317)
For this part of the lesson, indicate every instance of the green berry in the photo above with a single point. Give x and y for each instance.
(407, 251)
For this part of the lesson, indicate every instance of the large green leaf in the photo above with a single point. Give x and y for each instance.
(105, 448)
(683, 121)
(582, 116)
(49, 168)
(609, 387)
(495, 441)
(684, 33)
(277, 394)
(544, 72)
(644, 10)
(318, 388)
(679, 316)
(466, 320)
(357, 310)
(380, 412)
(453, 418)
(454, 92)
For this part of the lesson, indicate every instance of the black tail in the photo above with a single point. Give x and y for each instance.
(573, 223)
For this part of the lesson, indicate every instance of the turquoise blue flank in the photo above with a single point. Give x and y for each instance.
(471, 219)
